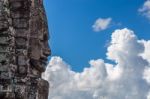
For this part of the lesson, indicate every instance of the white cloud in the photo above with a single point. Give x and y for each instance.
(146, 74)
(146, 54)
(101, 24)
(127, 79)
(145, 10)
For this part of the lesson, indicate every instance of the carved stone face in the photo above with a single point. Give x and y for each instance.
(39, 49)
(23, 49)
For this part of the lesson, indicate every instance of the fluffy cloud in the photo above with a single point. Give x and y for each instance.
(146, 54)
(101, 24)
(145, 10)
(128, 78)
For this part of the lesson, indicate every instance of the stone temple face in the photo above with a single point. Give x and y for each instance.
(23, 49)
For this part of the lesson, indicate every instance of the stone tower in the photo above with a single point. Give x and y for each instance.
(23, 49)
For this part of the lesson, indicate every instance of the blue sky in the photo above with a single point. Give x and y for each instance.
(70, 25)
(84, 35)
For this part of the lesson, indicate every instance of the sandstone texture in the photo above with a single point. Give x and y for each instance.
(23, 49)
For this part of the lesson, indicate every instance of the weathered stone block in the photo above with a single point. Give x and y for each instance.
(22, 71)
(19, 14)
(6, 88)
(43, 87)
(3, 25)
(4, 33)
(3, 16)
(4, 49)
(23, 33)
(20, 23)
(4, 40)
(16, 0)
(21, 91)
(21, 61)
(4, 68)
(3, 58)
(21, 52)
(15, 5)
(19, 5)
(21, 43)
(5, 75)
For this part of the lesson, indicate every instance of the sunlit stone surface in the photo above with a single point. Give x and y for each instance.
(23, 49)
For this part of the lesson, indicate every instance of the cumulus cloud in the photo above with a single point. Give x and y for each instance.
(146, 54)
(101, 24)
(128, 78)
(145, 9)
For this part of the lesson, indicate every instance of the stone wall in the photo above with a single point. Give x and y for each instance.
(23, 49)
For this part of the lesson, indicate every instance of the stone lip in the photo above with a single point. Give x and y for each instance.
(23, 49)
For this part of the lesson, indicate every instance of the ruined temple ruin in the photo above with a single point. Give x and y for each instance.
(23, 49)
